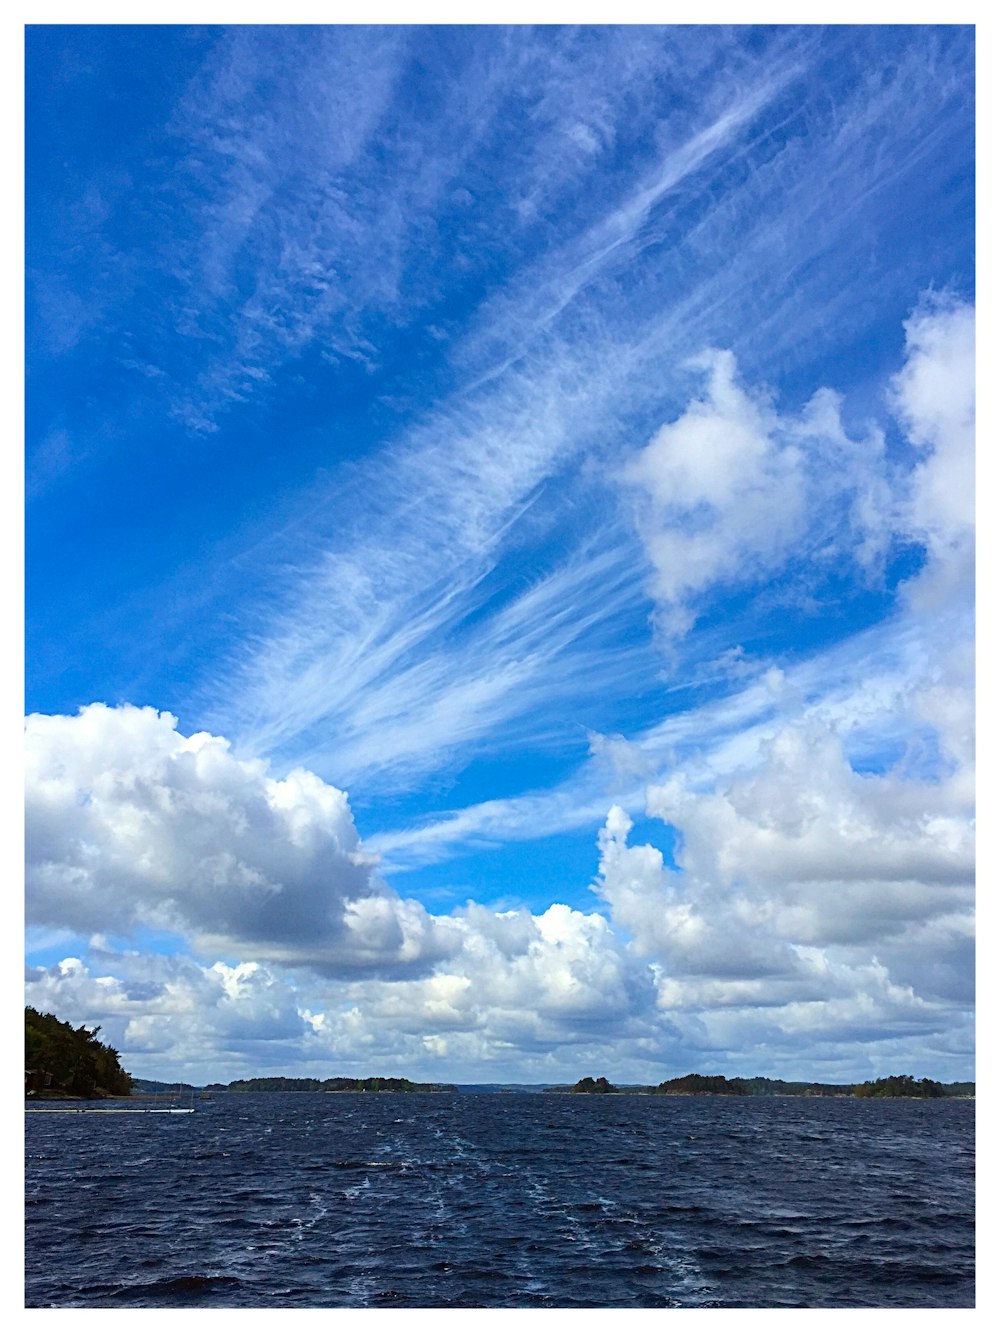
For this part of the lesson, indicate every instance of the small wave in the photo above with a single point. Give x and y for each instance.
(351, 1165)
(188, 1284)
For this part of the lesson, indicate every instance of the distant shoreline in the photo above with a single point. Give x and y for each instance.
(892, 1086)
(898, 1087)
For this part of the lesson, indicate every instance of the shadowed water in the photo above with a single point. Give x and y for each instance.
(311, 1199)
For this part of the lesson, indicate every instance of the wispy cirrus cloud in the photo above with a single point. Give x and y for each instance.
(311, 197)
(364, 624)
(397, 692)
(332, 185)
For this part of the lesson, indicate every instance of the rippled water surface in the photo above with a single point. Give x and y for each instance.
(314, 1199)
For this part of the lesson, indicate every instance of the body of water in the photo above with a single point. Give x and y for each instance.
(322, 1200)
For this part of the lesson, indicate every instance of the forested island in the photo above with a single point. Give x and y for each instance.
(63, 1061)
(328, 1085)
(693, 1085)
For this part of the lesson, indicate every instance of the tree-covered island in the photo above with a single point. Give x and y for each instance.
(716, 1085)
(589, 1085)
(280, 1084)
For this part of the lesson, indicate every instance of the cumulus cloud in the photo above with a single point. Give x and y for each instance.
(660, 909)
(728, 490)
(811, 901)
(171, 1012)
(934, 398)
(809, 905)
(733, 492)
(130, 823)
(804, 817)
(519, 986)
(525, 997)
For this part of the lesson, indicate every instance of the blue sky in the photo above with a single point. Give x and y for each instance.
(499, 548)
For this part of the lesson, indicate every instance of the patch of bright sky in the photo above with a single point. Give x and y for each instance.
(507, 876)
(43, 948)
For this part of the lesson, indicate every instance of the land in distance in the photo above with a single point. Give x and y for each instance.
(895, 1085)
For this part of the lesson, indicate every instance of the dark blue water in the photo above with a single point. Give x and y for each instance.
(314, 1199)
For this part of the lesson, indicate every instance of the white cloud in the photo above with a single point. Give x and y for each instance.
(386, 663)
(130, 823)
(808, 900)
(355, 675)
(812, 901)
(670, 922)
(519, 986)
(373, 668)
(725, 499)
(171, 1012)
(934, 398)
(803, 816)
(733, 493)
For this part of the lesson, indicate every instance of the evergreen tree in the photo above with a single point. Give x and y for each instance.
(59, 1058)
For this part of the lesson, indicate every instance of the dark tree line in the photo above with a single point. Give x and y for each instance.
(593, 1085)
(703, 1084)
(900, 1085)
(896, 1085)
(61, 1059)
(690, 1083)
(281, 1084)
